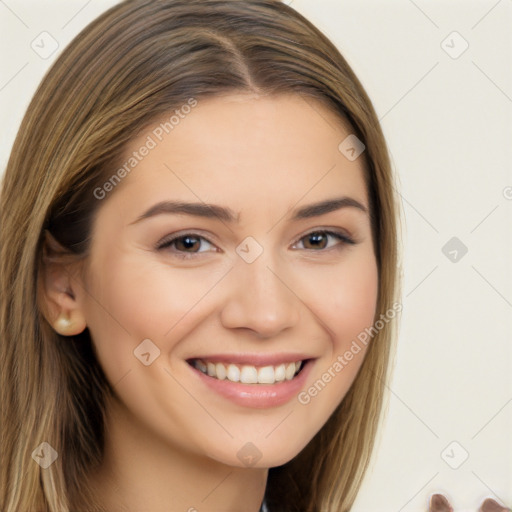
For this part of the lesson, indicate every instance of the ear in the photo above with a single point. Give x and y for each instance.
(60, 288)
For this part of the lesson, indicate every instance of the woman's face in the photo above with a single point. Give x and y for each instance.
(248, 287)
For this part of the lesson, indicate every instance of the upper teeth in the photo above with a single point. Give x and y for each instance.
(248, 374)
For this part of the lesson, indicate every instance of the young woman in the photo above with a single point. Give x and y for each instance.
(198, 269)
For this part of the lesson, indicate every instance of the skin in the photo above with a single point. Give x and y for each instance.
(172, 442)
(439, 503)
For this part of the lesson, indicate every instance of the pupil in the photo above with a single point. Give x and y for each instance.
(317, 238)
(189, 241)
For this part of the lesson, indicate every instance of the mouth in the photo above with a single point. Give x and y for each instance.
(249, 374)
(257, 381)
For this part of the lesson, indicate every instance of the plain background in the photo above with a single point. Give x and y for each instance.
(447, 117)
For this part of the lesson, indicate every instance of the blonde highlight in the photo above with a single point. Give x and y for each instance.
(137, 61)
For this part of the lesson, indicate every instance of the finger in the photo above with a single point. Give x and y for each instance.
(489, 505)
(438, 503)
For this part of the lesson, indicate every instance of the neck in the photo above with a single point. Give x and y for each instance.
(141, 472)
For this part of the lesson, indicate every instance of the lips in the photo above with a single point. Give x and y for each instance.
(254, 370)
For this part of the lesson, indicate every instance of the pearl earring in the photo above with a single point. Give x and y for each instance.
(63, 324)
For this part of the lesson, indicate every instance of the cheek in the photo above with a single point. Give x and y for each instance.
(355, 301)
(345, 302)
(135, 300)
(345, 298)
(132, 300)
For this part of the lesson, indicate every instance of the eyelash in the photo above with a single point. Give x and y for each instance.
(344, 239)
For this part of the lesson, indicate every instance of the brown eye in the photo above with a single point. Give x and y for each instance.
(184, 245)
(320, 239)
(316, 240)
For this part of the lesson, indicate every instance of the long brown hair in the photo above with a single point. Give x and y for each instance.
(137, 61)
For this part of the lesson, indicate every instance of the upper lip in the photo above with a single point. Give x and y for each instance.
(254, 359)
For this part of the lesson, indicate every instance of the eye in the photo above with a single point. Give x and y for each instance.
(319, 239)
(186, 245)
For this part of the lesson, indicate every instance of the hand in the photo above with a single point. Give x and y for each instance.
(438, 503)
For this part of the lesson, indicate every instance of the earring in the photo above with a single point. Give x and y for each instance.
(63, 324)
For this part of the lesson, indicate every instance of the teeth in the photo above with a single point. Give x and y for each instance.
(280, 373)
(201, 366)
(220, 370)
(233, 373)
(249, 374)
(290, 371)
(266, 375)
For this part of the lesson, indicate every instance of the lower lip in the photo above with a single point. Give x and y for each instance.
(257, 396)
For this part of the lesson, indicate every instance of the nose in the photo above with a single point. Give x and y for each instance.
(260, 298)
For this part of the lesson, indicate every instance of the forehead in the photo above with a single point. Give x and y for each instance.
(245, 148)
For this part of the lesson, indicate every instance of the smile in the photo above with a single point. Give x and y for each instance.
(248, 374)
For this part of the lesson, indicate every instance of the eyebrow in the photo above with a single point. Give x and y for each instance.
(212, 211)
